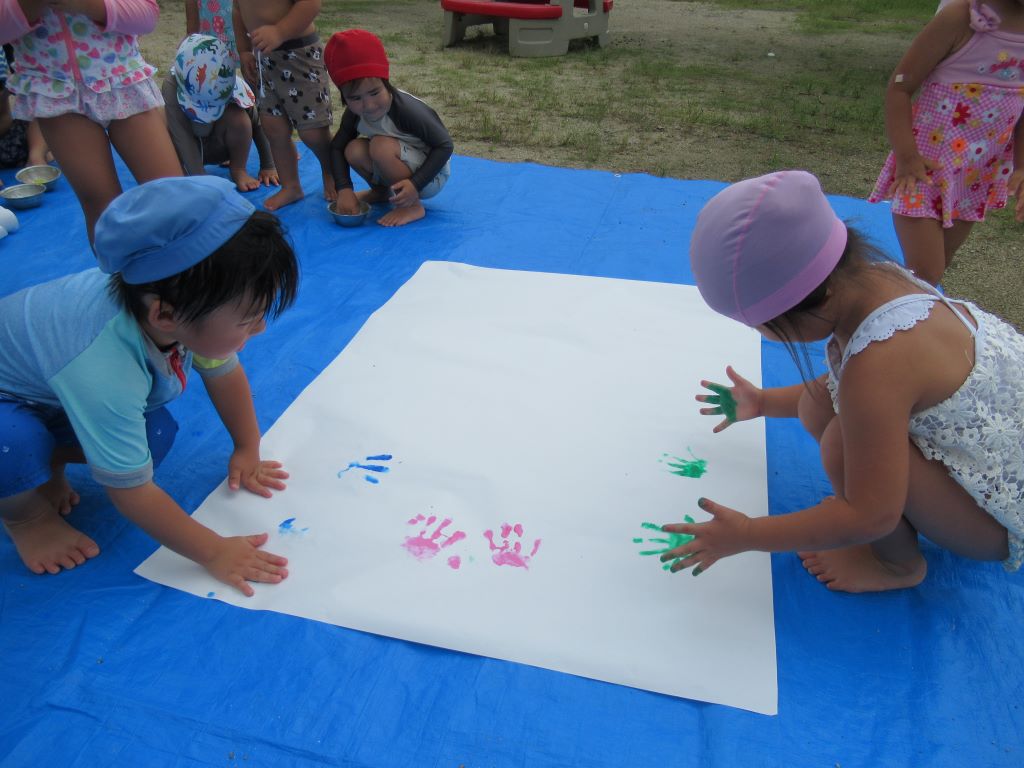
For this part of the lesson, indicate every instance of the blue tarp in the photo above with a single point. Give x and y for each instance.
(99, 667)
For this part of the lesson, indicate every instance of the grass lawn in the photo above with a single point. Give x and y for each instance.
(714, 90)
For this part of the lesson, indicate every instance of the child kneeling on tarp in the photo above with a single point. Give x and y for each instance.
(91, 359)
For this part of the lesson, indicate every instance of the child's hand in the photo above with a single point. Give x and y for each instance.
(1015, 186)
(740, 403)
(247, 470)
(250, 69)
(346, 203)
(726, 533)
(239, 560)
(403, 194)
(268, 178)
(909, 171)
(266, 38)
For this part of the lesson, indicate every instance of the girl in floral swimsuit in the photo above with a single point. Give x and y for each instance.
(78, 71)
(958, 150)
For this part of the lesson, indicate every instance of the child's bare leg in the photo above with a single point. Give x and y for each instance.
(144, 144)
(82, 150)
(34, 520)
(357, 152)
(38, 152)
(925, 247)
(386, 153)
(279, 134)
(893, 562)
(937, 506)
(236, 134)
(319, 140)
(954, 237)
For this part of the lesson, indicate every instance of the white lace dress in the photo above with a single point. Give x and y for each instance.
(978, 432)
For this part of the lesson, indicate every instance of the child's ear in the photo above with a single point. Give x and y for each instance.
(160, 315)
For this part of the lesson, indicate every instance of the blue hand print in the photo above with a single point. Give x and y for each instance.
(288, 526)
(377, 468)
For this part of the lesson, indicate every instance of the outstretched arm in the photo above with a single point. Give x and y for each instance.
(235, 560)
(870, 488)
(232, 398)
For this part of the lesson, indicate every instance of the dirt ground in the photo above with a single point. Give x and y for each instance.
(478, 80)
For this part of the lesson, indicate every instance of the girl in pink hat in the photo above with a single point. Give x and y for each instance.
(920, 415)
(958, 149)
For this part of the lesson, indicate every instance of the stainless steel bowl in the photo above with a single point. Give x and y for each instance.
(47, 175)
(349, 220)
(23, 195)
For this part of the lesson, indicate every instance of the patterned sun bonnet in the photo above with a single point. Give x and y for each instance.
(206, 80)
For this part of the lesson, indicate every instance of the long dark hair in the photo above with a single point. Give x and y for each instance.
(859, 254)
(257, 264)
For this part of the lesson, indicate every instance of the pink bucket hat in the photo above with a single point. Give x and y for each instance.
(762, 245)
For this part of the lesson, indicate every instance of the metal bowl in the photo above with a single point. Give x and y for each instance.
(349, 220)
(23, 195)
(47, 175)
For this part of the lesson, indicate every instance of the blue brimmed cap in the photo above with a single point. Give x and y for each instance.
(165, 226)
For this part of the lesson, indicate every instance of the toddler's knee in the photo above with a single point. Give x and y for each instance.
(384, 147)
(356, 151)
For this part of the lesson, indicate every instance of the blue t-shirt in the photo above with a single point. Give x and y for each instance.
(68, 346)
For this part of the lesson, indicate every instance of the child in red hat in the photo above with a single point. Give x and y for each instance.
(394, 141)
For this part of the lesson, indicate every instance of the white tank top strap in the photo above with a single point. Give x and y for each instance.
(951, 303)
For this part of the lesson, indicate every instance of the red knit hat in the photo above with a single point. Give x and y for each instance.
(353, 54)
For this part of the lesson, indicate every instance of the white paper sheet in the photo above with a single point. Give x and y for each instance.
(543, 409)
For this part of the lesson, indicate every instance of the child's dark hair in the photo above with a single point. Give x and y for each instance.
(859, 254)
(257, 264)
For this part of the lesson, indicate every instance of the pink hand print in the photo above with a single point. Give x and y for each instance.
(424, 547)
(510, 554)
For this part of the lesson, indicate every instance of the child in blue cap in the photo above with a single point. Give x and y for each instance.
(188, 272)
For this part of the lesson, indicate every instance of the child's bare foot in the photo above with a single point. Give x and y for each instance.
(858, 569)
(396, 217)
(284, 196)
(243, 181)
(59, 493)
(45, 541)
(373, 195)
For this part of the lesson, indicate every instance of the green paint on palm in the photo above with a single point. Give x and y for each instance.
(669, 540)
(724, 401)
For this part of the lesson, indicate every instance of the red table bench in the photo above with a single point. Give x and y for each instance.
(533, 27)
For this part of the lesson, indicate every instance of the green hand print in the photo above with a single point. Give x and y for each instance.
(685, 467)
(670, 540)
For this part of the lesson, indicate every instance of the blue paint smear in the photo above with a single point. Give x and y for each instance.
(367, 467)
(381, 457)
(369, 479)
(286, 525)
(210, 594)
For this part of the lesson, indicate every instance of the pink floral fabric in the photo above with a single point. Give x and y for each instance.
(64, 52)
(964, 118)
(215, 20)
